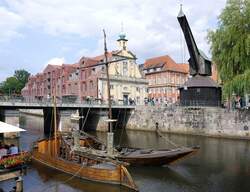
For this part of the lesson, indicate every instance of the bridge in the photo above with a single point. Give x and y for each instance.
(96, 111)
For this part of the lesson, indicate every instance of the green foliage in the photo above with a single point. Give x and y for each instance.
(239, 85)
(15, 83)
(230, 46)
(22, 76)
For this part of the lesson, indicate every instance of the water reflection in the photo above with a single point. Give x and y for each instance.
(220, 164)
(58, 181)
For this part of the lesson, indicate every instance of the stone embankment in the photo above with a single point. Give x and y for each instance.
(209, 121)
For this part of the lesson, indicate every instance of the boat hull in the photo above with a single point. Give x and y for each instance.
(157, 157)
(116, 175)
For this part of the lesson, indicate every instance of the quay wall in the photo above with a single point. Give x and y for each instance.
(208, 121)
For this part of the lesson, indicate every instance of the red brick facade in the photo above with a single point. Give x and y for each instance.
(164, 77)
(68, 81)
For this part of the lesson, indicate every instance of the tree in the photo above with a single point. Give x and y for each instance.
(10, 85)
(22, 76)
(230, 47)
(15, 83)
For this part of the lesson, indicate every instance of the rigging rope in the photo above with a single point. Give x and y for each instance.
(85, 119)
(123, 127)
(117, 118)
(67, 180)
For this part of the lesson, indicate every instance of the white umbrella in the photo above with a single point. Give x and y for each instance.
(7, 128)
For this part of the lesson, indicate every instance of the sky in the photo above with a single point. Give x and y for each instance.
(37, 32)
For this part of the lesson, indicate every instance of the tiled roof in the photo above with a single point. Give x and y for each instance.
(200, 81)
(87, 61)
(167, 63)
(102, 57)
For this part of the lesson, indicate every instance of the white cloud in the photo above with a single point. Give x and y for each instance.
(56, 61)
(9, 23)
(151, 26)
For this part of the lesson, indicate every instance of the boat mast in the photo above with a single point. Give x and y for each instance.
(108, 81)
(110, 135)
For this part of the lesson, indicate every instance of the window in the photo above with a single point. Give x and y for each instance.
(138, 99)
(138, 89)
(91, 84)
(125, 68)
(111, 86)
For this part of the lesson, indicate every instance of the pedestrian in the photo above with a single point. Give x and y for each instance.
(3, 151)
(130, 101)
(13, 149)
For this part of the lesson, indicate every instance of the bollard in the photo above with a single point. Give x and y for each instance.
(19, 184)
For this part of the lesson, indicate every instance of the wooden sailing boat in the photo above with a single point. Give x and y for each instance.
(137, 156)
(64, 156)
(84, 166)
(133, 156)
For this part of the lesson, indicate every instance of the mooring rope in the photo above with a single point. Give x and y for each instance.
(168, 140)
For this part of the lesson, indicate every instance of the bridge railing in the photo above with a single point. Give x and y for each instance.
(48, 102)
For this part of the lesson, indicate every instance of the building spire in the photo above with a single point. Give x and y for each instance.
(181, 14)
(122, 35)
(122, 29)
(122, 40)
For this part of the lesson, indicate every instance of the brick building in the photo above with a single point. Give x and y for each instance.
(86, 80)
(164, 76)
(53, 79)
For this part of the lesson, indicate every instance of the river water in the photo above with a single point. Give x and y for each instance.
(220, 165)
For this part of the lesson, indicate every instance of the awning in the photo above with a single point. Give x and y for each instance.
(7, 128)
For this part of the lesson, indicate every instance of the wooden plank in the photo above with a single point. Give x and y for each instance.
(10, 175)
